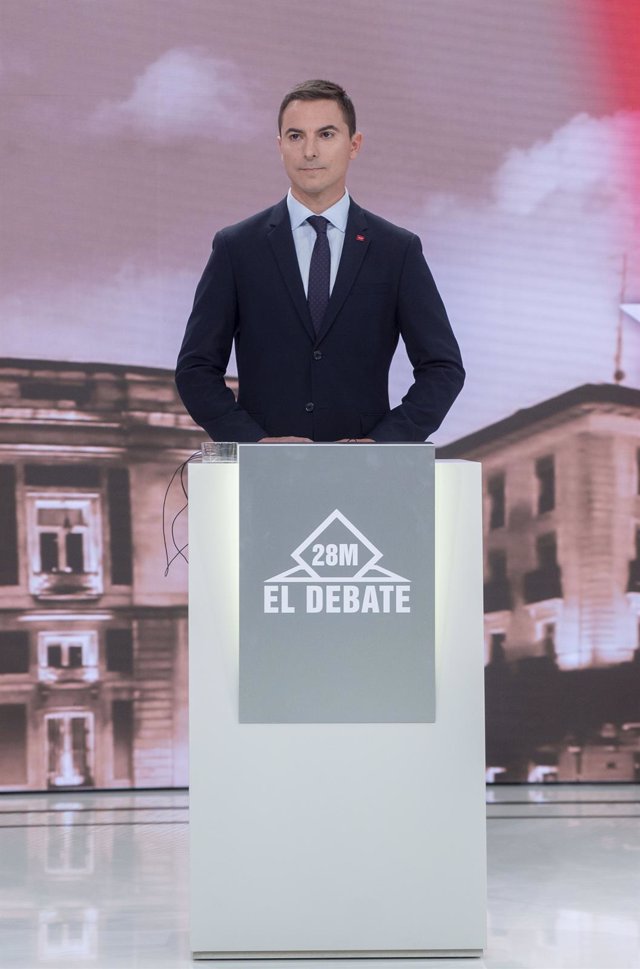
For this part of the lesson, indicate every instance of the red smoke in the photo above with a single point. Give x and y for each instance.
(617, 28)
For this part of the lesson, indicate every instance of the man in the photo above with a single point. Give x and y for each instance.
(316, 305)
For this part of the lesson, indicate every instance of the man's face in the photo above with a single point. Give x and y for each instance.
(316, 149)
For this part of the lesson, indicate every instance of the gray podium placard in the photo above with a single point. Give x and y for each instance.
(337, 583)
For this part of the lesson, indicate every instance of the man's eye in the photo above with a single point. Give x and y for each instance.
(294, 137)
(327, 134)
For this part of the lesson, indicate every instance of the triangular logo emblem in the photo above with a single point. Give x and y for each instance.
(337, 551)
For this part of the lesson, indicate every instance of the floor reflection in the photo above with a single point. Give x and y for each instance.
(101, 880)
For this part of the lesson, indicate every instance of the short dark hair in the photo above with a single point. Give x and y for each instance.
(321, 91)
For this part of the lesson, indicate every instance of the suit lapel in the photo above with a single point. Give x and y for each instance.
(356, 243)
(281, 241)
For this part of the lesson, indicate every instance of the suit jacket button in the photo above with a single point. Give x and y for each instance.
(309, 408)
(317, 354)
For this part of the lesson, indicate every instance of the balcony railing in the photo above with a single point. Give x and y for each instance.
(52, 585)
(542, 584)
(497, 595)
(68, 675)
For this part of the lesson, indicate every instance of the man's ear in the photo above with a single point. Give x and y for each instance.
(356, 144)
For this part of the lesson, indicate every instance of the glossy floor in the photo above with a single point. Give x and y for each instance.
(100, 880)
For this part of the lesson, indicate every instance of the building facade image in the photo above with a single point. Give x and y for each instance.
(93, 633)
(562, 585)
(93, 638)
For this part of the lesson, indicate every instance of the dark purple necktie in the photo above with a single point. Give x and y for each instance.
(319, 271)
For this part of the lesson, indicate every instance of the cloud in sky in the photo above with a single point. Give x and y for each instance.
(582, 158)
(186, 93)
(532, 275)
(137, 316)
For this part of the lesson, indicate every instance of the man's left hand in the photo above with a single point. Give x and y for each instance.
(356, 440)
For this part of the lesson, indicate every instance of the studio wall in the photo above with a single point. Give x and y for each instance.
(508, 137)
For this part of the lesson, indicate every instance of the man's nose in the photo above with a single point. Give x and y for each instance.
(310, 149)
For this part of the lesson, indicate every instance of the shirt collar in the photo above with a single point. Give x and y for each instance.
(337, 214)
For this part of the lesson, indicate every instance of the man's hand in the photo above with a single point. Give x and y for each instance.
(356, 440)
(285, 440)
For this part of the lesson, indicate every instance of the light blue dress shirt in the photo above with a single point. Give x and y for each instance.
(304, 235)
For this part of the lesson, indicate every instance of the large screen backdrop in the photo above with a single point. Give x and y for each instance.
(506, 136)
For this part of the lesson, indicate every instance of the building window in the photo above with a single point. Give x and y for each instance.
(68, 934)
(497, 565)
(496, 493)
(547, 552)
(70, 744)
(545, 582)
(633, 584)
(497, 588)
(546, 477)
(65, 544)
(14, 652)
(549, 640)
(67, 656)
(62, 539)
(497, 648)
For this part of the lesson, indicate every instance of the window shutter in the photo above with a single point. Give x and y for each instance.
(14, 651)
(120, 526)
(8, 526)
(13, 743)
(119, 651)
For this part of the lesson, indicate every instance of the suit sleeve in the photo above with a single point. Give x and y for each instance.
(432, 349)
(204, 355)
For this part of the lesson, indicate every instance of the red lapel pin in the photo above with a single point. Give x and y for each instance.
(360, 238)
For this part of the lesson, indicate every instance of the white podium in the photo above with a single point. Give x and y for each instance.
(336, 840)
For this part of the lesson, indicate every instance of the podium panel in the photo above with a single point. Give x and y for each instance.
(336, 839)
(336, 584)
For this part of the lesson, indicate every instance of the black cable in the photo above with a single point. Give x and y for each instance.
(179, 549)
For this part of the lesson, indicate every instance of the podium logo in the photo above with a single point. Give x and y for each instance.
(337, 571)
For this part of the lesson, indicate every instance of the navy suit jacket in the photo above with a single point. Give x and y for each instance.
(324, 386)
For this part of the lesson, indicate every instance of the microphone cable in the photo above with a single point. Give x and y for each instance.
(179, 550)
